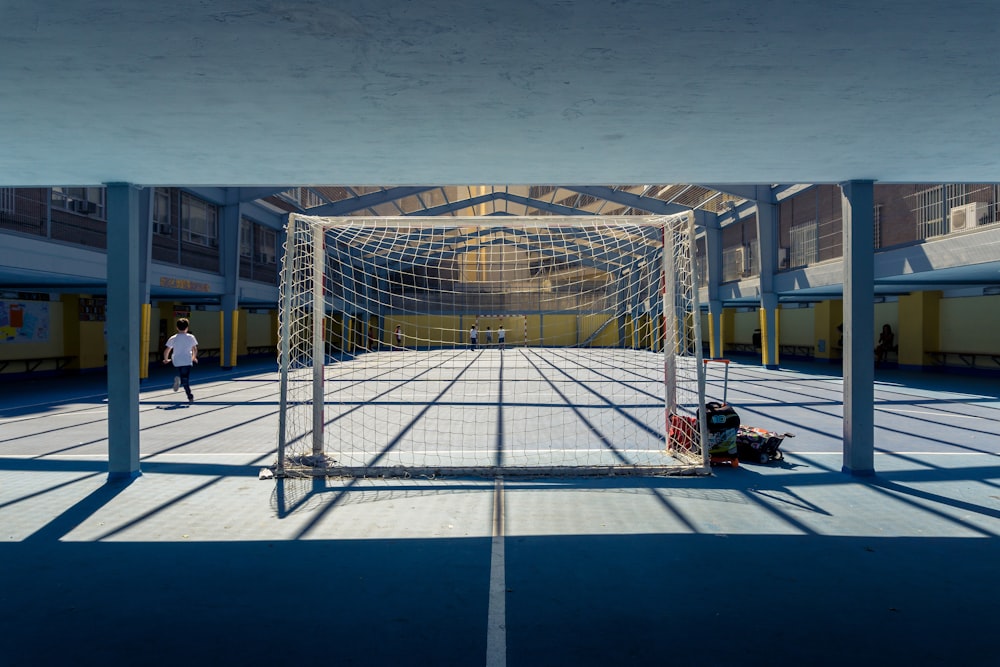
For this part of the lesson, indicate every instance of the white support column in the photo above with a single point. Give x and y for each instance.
(319, 348)
(123, 261)
(769, 329)
(713, 254)
(767, 250)
(229, 249)
(145, 215)
(859, 327)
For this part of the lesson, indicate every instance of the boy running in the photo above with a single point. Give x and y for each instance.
(182, 347)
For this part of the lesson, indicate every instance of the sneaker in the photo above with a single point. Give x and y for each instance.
(190, 398)
(177, 382)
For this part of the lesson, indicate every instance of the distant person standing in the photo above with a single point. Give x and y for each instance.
(473, 337)
(501, 337)
(182, 349)
(399, 336)
(885, 345)
(489, 336)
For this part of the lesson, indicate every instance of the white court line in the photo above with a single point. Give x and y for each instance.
(840, 453)
(68, 399)
(104, 457)
(929, 412)
(54, 414)
(496, 622)
(452, 452)
(102, 410)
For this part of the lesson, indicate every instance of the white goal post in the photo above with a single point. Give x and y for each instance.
(490, 345)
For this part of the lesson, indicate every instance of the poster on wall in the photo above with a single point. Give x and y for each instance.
(93, 310)
(24, 321)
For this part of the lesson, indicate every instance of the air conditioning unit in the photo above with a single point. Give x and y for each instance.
(782, 258)
(82, 206)
(740, 260)
(748, 261)
(965, 217)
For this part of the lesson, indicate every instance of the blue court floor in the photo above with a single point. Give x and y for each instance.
(198, 562)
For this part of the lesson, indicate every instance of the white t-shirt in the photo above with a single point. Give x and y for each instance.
(182, 344)
(472, 333)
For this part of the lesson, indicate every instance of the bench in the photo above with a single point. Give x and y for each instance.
(32, 364)
(269, 350)
(794, 350)
(941, 357)
(743, 347)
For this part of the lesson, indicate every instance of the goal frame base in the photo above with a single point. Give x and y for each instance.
(493, 472)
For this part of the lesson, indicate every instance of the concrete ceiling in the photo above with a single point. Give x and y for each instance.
(267, 92)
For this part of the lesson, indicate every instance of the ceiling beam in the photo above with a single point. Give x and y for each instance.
(649, 204)
(253, 194)
(742, 191)
(557, 209)
(361, 202)
(452, 207)
(786, 190)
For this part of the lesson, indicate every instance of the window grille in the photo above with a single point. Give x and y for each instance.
(877, 226)
(804, 244)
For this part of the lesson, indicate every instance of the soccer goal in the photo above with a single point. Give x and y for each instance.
(490, 345)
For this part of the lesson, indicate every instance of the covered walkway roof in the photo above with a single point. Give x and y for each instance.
(445, 92)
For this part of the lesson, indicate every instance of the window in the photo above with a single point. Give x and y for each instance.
(6, 200)
(84, 201)
(753, 258)
(701, 275)
(804, 241)
(199, 222)
(305, 198)
(161, 212)
(733, 263)
(246, 238)
(264, 243)
(929, 213)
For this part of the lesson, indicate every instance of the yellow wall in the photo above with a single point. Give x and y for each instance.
(204, 326)
(645, 331)
(827, 316)
(744, 325)
(727, 321)
(92, 345)
(255, 330)
(560, 330)
(241, 330)
(591, 323)
(334, 334)
(970, 324)
(797, 326)
(71, 328)
(919, 315)
(427, 330)
(628, 331)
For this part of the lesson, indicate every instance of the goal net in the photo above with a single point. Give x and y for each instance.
(489, 345)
